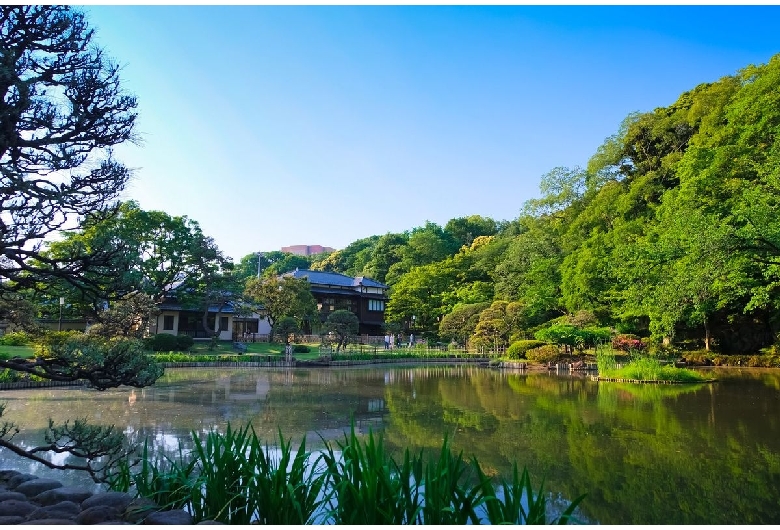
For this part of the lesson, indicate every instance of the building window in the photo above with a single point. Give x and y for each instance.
(223, 323)
(376, 305)
(168, 323)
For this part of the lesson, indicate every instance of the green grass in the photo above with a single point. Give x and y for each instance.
(8, 352)
(643, 368)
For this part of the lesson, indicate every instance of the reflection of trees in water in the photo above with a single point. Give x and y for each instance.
(644, 453)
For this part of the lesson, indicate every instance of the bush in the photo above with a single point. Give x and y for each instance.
(301, 348)
(184, 342)
(518, 349)
(544, 354)
(628, 342)
(15, 338)
(163, 342)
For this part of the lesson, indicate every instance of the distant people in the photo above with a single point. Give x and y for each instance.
(392, 341)
(411, 339)
(387, 342)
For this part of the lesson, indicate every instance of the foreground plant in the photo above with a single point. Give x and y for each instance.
(232, 478)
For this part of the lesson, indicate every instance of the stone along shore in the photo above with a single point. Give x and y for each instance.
(27, 499)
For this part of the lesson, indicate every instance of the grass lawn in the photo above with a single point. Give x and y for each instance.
(260, 348)
(8, 352)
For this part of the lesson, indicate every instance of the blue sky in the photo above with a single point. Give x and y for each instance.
(275, 126)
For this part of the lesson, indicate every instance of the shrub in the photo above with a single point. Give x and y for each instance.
(164, 342)
(628, 342)
(518, 349)
(544, 354)
(301, 348)
(15, 338)
(184, 342)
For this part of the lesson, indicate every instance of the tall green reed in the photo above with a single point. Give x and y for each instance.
(231, 478)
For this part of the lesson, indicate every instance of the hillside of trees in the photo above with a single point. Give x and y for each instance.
(671, 232)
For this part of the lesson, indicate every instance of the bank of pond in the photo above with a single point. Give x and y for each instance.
(698, 453)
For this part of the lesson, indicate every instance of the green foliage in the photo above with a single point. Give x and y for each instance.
(104, 363)
(301, 348)
(282, 297)
(286, 329)
(231, 478)
(544, 354)
(163, 342)
(569, 335)
(460, 323)
(184, 342)
(518, 349)
(518, 504)
(344, 325)
(15, 338)
(644, 368)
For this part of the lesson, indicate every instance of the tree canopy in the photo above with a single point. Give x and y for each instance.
(62, 109)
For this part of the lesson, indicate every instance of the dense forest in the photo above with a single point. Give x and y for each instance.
(671, 232)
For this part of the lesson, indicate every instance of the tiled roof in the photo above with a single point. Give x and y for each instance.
(334, 278)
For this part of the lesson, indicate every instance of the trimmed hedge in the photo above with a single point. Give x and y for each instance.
(518, 349)
(163, 342)
(184, 342)
(544, 354)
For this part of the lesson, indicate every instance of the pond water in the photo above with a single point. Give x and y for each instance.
(644, 454)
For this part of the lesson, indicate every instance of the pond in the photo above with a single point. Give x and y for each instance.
(644, 454)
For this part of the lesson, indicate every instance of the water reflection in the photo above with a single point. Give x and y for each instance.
(645, 454)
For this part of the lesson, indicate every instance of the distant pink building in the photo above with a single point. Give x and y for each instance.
(307, 250)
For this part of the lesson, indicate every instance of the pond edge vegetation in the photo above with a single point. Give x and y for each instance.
(234, 478)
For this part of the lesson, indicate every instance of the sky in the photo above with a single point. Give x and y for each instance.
(299, 125)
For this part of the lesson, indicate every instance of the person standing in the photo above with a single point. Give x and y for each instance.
(392, 341)
(387, 341)
(411, 339)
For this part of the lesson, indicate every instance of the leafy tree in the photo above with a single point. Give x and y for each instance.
(465, 230)
(460, 323)
(280, 262)
(344, 324)
(497, 323)
(160, 252)
(126, 317)
(282, 296)
(427, 244)
(531, 269)
(386, 252)
(18, 311)
(62, 108)
(286, 327)
(350, 260)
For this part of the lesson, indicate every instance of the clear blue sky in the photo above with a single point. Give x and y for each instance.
(275, 126)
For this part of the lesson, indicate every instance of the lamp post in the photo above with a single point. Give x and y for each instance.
(62, 303)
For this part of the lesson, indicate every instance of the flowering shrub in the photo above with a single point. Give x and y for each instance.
(628, 343)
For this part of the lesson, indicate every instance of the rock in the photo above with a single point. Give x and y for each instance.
(31, 488)
(53, 496)
(138, 509)
(47, 522)
(16, 507)
(11, 519)
(98, 514)
(14, 481)
(169, 517)
(61, 510)
(117, 499)
(7, 474)
(12, 495)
